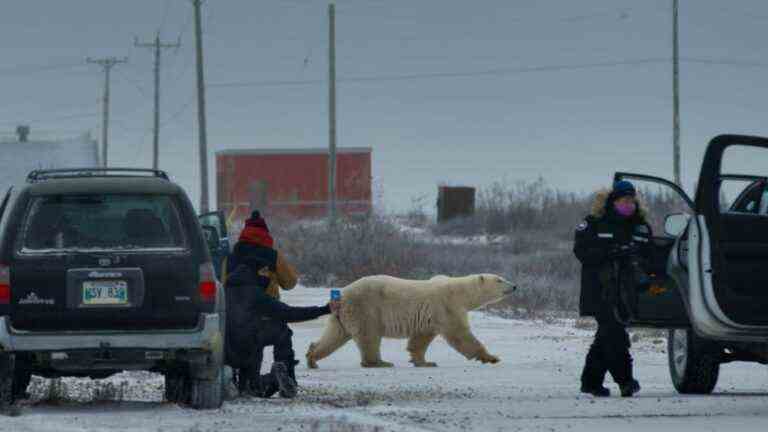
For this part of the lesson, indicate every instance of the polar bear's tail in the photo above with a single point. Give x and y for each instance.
(334, 337)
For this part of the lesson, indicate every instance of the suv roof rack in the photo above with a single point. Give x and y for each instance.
(42, 175)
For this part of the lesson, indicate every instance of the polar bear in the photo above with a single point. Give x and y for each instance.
(377, 307)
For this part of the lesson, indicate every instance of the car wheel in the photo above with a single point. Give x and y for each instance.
(21, 383)
(693, 362)
(177, 387)
(207, 393)
(6, 381)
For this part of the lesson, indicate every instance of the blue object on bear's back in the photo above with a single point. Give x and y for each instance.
(335, 294)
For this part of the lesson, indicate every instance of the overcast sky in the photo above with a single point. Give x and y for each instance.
(444, 91)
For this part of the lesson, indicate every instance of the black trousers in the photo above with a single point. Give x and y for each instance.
(609, 352)
(273, 333)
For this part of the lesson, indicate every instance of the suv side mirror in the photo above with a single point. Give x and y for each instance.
(212, 238)
(675, 224)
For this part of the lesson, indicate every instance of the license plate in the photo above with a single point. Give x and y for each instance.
(105, 292)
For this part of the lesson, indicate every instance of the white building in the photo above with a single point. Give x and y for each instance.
(18, 157)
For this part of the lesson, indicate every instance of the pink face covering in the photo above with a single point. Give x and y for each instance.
(625, 209)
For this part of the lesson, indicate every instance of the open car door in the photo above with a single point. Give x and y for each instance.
(729, 278)
(661, 305)
(214, 226)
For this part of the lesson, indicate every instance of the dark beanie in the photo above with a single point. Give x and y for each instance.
(623, 188)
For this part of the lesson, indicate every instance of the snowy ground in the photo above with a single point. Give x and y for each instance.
(534, 388)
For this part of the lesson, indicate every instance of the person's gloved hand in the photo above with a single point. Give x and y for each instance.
(335, 306)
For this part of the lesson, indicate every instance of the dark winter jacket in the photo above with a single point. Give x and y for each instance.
(248, 306)
(280, 272)
(595, 239)
(246, 298)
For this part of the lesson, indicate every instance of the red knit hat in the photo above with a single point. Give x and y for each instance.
(256, 231)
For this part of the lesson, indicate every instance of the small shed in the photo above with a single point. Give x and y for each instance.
(455, 202)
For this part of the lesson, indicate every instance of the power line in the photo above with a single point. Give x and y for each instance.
(724, 62)
(491, 72)
(436, 75)
(56, 119)
(178, 113)
(26, 69)
(135, 83)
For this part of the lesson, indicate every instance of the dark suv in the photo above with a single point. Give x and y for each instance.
(106, 270)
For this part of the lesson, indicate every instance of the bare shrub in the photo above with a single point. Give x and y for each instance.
(523, 206)
(465, 226)
(341, 253)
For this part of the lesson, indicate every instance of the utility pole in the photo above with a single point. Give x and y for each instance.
(676, 93)
(157, 46)
(107, 64)
(332, 112)
(203, 134)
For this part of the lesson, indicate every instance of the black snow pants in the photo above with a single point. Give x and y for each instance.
(609, 352)
(269, 333)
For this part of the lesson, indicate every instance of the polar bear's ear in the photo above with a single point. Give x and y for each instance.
(482, 279)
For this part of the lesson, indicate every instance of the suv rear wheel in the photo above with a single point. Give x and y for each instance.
(207, 393)
(203, 390)
(6, 381)
(177, 386)
(693, 362)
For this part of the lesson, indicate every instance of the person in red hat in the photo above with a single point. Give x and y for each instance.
(256, 242)
(255, 316)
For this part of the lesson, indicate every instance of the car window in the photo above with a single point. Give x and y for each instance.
(749, 202)
(763, 206)
(213, 220)
(99, 221)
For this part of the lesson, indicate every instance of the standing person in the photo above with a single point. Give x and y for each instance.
(615, 228)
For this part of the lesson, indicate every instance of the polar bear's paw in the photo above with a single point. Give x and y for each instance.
(488, 358)
(311, 362)
(423, 364)
(379, 364)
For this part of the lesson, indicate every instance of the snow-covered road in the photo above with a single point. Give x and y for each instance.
(534, 388)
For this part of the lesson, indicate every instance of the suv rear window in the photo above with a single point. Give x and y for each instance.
(101, 221)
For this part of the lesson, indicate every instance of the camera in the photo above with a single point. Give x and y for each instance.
(632, 268)
(635, 274)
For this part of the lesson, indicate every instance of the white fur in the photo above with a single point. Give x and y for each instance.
(379, 307)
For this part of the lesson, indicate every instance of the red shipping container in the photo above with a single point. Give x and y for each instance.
(292, 183)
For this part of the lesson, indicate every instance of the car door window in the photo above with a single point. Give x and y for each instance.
(742, 196)
(763, 210)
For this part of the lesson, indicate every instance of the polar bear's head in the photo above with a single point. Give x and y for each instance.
(488, 288)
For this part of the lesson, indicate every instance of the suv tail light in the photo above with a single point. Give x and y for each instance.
(5, 284)
(207, 286)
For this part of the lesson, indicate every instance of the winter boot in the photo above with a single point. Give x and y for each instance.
(630, 388)
(597, 391)
(282, 372)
